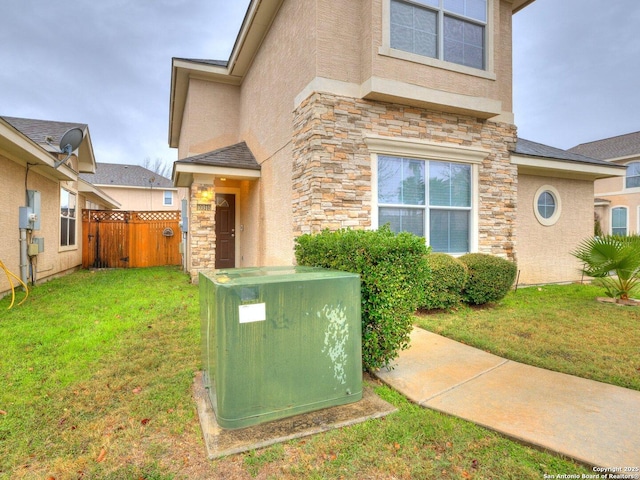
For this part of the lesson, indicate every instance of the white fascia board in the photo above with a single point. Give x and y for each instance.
(90, 190)
(551, 167)
(19, 148)
(216, 171)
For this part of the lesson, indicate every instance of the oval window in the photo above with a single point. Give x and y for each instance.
(546, 205)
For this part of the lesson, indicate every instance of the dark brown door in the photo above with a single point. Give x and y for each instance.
(225, 230)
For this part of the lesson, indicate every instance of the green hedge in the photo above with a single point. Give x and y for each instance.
(393, 272)
(490, 278)
(448, 278)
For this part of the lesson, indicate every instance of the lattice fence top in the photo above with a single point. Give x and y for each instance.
(125, 216)
(157, 216)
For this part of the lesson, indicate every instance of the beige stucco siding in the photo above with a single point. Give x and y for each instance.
(543, 253)
(339, 40)
(141, 199)
(55, 259)
(210, 118)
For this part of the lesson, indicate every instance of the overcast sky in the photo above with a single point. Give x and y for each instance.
(107, 63)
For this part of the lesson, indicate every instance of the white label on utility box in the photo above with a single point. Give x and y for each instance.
(254, 312)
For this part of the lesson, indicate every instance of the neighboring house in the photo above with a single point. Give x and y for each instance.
(136, 188)
(335, 114)
(617, 201)
(33, 175)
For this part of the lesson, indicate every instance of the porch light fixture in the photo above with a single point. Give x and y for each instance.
(206, 196)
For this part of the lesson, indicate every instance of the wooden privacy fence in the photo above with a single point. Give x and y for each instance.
(121, 239)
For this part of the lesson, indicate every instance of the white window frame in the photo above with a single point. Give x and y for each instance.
(428, 151)
(626, 176)
(489, 70)
(626, 220)
(164, 198)
(553, 219)
(69, 246)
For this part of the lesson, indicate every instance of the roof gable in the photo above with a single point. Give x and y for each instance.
(234, 156)
(38, 131)
(126, 175)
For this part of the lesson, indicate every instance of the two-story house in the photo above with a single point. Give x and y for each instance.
(617, 199)
(334, 114)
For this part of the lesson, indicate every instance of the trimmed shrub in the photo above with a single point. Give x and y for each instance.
(490, 278)
(393, 272)
(448, 278)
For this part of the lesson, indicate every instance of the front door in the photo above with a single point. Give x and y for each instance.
(225, 230)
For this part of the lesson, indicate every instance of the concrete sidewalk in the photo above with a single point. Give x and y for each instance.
(592, 422)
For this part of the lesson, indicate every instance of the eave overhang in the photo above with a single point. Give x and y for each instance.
(183, 173)
(19, 148)
(96, 195)
(548, 167)
(518, 5)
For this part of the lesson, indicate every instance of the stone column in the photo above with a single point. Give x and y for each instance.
(202, 233)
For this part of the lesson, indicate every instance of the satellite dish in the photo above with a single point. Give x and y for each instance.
(69, 143)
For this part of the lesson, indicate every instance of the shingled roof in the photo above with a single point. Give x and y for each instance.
(117, 174)
(234, 156)
(608, 148)
(215, 63)
(529, 148)
(39, 130)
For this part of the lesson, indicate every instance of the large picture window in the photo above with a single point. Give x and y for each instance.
(68, 213)
(449, 30)
(430, 199)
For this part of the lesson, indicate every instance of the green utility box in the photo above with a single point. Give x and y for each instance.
(279, 341)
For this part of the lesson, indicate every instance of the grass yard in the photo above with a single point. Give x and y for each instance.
(97, 368)
(557, 327)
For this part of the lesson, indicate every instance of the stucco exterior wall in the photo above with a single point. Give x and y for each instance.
(211, 117)
(142, 199)
(614, 190)
(545, 255)
(54, 260)
(285, 63)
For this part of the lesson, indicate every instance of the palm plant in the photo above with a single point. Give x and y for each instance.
(614, 260)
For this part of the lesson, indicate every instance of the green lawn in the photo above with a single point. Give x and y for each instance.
(97, 368)
(558, 327)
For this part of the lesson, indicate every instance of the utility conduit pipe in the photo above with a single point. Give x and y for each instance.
(24, 261)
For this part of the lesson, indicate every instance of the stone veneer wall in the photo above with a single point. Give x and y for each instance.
(332, 164)
(202, 232)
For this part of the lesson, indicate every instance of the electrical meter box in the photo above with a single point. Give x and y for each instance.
(279, 341)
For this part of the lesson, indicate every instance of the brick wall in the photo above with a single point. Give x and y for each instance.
(332, 165)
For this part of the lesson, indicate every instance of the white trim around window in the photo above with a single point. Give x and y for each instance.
(488, 71)
(547, 205)
(167, 198)
(429, 152)
(617, 229)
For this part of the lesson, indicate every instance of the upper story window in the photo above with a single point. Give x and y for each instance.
(633, 175)
(67, 218)
(449, 30)
(168, 198)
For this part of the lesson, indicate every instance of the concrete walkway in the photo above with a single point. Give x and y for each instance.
(592, 422)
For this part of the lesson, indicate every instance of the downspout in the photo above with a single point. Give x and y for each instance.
(24, 265)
